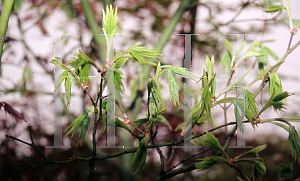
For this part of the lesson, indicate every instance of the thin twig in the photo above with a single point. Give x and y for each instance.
(290, 42)
(33, 145)
(161, 155)
(184, 160)
(14, 138)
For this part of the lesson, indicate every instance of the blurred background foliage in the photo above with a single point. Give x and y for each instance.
(148, 22)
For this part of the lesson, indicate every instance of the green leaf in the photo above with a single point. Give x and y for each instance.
(120, 62)
(84, 128)
(68, 85)
(84, 73)
(180, 71)
(233, 85)
(250, 107)
(240, 179)
(258, 170)
(254, 45)
(121, 124)
(281, 125)
(274, 8)
(207, 162)
(237, 51)
(153, 54)
(118, 81)
(173, 90)
(252, 53)
(252, 151)
(210, 66)
(286, 171)
(255, 53)
(77, 123)
(60, 79)
(277, 103)
(238, 115)
(298, 25)
(288, 10)
(210, 140)
(109, 20)
(269, 52)
(213, 87)
(294, 143)
(228, 46)
(140, 59)
(275, 83)
(139, 121)
(139, 158)
(225, 61)
(206, 103)
(157, 72)
(163, 120)
(281, 96)
(26, 77)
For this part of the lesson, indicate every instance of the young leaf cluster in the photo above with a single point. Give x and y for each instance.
(139, 158)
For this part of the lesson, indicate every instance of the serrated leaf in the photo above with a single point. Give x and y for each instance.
(276, 101)
(140, 59)
(139, 158)
(109, 20)
(77, 123)
(84, 128)
(153, 54)
(120, 62)
(210, 140)
(180, 71)
(275, 83)
(294, 143)
(207, 162)
(252, 151)
(286, 171)
(157, 72)
(250, 107)
(84, 73)
(118, 81)
(281, 96)
(68, 85)
(206, 103)
(239, 115)
(259, 169)
(173, 90)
